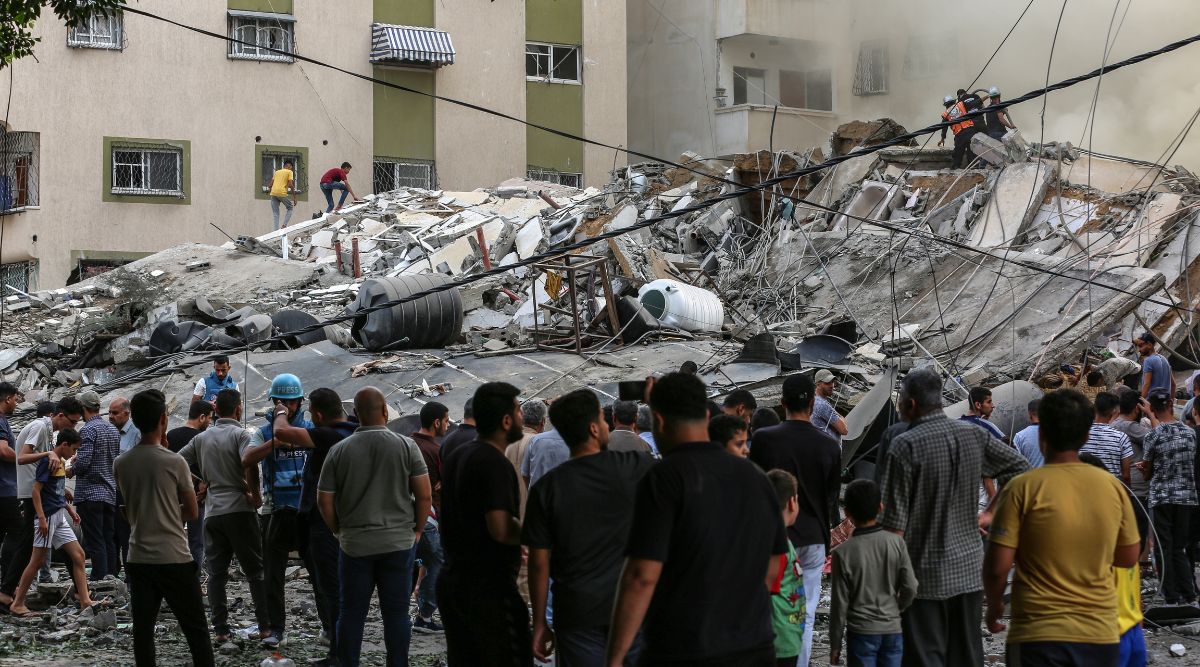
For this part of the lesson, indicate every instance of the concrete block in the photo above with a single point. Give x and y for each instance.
(1016, 197)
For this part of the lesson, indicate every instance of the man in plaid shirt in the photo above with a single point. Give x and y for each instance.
(1170, 463)
(96, 488)
(930, 497)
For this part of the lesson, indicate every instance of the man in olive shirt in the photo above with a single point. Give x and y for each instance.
(374, 494)
(157, 487)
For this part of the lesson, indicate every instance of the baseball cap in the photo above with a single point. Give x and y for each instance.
(1159, 398)
(824, 375)
(90, 400)
(798, 388)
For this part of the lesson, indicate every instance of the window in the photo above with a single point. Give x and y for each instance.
(394, 173)
(21, 275)
(555, 63)
(749, 86)
(810, 89)
(99, 31)
(147, 169)
(272, 161)
(871, 75)
(556, 177)
(257, 33)
(19, 170)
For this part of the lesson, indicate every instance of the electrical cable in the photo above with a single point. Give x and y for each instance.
(999, 46)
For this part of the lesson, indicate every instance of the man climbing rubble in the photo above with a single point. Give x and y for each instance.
(996, 121)
(964, 129)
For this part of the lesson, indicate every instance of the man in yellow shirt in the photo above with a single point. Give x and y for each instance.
(283, 182)
(1065, 525)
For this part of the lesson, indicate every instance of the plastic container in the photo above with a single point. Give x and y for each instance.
(683, 306)
(429, 322)
(277, 660)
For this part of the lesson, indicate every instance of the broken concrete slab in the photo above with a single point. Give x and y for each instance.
(1016, 197)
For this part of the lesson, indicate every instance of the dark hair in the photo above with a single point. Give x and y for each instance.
(1129, 401)
(861, 500)
(1106, 403)
(8, 389)
(1033, 405)
(68, 435)
(979, 395)
(1094, 378)
(785, 485)
(491, 403)
(763, 417)
(220, 359)
(228, 401)
(962, 91)
(624, 412)
(199, 408)
(69, 405)
(346, 165)
(431, 412)
(1092, 460)
(712, 408)
(741, 397)
(469, 408)
(1147, 337)
(689, 367)
(572, 414)
(924, 387)
(722, 428)
(1159, 399)
(679, 397)
(147, 408)
(799, 391)
(1065, 417)
(327, 402)
(45, 408)
(288, 163)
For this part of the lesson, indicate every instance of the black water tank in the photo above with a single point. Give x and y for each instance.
(432, 321)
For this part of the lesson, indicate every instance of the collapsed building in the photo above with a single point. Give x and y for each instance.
(1033, 256)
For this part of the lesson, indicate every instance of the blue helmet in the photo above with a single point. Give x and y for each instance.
(286, 387)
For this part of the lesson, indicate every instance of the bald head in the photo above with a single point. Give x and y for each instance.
(371, 407)
(118, 411)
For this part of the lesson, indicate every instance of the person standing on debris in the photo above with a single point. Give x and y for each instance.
(741, 404)
(980, 411)
(464, 434)
(799, 447)
(374, 494)
(1064, 526)
(95, 488)
(729, 431)
(337, 178)
(786, 578)
(435, 419)
(702, 521)
(824, 416)
(1108, 444)
(1156, 370)
(199, 415)
(1026, 440)
(10, 509)
(1133, 409)
(230, 523)
(283, 475)
(996, 121)
(930, 498)
(283, 182)
(1170, 463)
(331, 426)
(963, 128)
(486, 621)
(624, 436)
(577, 522)
(118, 416)
(208, 386)
(159, 497)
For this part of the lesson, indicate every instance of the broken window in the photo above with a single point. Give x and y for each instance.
(749, 86)
(871, 74)
(147, 169)
(257, 33)
(272, 161)
(809, 89)
(556, 177)
(556, 63)
(98, 31)
(18, 170)
(394, 173)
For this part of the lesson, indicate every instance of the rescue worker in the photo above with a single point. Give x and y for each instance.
(997, 122)
(963, 129)
(210, 385)
(282, 475)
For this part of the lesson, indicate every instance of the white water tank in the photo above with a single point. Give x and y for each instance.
(682, 306)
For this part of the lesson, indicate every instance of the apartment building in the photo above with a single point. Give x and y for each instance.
(130, 135)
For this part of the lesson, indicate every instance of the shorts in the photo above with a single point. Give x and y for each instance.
(1133, 648)
(60, 532)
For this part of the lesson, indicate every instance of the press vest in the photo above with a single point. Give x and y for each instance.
(213, 386)
(283, 470)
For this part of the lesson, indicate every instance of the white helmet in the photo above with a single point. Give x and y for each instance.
(949, 99)
(993, 92)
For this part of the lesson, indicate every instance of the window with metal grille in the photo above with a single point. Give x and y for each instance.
(394, 173)
(749, 86)
(19, 160)
(147, 169)
(257, 35)
(19, 275)
(556, 63)
(871, 74)
(272, 161)
(99, 31)
(556, 177)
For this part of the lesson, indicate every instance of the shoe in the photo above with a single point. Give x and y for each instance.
(426, 627)
(271, 641)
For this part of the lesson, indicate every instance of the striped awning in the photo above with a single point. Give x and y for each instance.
(410, 45)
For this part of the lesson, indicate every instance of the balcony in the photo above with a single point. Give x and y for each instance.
(791, 19)
(745, 128)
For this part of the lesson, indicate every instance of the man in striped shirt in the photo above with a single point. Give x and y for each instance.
(1108, 444)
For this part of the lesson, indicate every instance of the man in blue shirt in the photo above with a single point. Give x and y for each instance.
(118, 416)
(210, 385)
(1026, 440)
(1156, 371)
(96, 489)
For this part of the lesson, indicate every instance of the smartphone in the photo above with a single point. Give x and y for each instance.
(632, 390)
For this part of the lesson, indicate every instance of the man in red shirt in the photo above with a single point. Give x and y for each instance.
(337, 179)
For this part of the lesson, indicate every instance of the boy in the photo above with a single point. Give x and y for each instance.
(729, 431)
(872, 582)
(53, 531)
(787, 580)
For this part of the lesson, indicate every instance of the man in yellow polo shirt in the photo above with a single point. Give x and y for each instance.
(1065, 526)
(283, 182)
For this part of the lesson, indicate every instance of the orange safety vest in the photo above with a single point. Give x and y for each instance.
(957, 111)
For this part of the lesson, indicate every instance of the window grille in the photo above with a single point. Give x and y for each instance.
(147, 169)
(395, 173)
(257, 36)
(19, 161)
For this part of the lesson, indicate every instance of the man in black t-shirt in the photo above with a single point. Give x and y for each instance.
(705, 530)
(577, 521)
(464, 434)
(199, 414)
(485, 619)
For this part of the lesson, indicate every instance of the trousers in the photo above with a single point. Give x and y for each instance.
(285, 533)
(944, 633)
(486, 621)
(99, 523)
(1172, 524)
(149, 585)
(226, 536)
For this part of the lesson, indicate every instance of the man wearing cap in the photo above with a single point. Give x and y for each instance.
(1156, 371)
(10, 509)
(96, 489)
(824, 416)
(1170, 460)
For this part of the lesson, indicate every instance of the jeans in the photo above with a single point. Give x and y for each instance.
(585, 648)
(99, 523)
(225, 536)
(285, 532)
(391, 573)
(177, 583)
(812, 561)
(328, 189)
(324, 552)
(486, 621)
(195, 533)
(287, 203)
(874, 650)
(1172, 524)
(429, 552)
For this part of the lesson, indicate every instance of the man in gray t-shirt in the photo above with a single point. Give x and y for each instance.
(374, 494)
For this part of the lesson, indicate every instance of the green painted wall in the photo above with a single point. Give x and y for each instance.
(302, 179)
(555, 21)
(404, 122)
(185, 178)
(405, 12)
(558, 106)
(273, 6)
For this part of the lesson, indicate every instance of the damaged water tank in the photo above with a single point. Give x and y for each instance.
(683, 306)
(434, 320)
